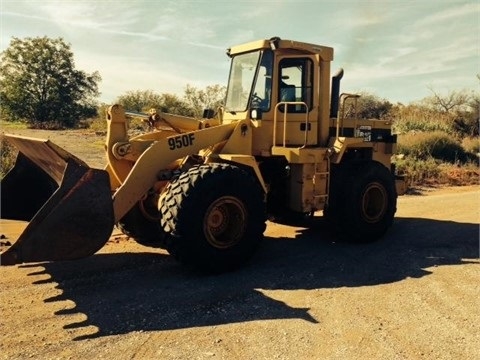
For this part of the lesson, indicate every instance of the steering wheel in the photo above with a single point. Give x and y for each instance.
(256, 101)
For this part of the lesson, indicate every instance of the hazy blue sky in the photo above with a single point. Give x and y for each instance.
(394, 49)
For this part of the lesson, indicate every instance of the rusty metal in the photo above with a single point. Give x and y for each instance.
(77, 218)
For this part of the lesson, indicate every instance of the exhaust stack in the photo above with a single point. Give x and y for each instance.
(335, 93)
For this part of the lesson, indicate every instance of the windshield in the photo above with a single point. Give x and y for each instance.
(242, 75)
(262, 93)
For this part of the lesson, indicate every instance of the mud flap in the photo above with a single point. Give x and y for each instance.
(75, 221)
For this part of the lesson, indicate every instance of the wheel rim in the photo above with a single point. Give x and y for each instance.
(224, 222)
(149, 207)
(374, 203)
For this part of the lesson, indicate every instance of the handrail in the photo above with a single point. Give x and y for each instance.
(286, 103)
(341, 112)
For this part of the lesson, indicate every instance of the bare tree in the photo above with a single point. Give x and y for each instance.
(451, 102)
(462, 107)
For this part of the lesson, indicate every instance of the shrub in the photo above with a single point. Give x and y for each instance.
(417, 118)
(8, 154)
(47, 125)
(417, 171)
(471, 145)
(437, 144)
(466, 124)
(99, 126)
(434, 172)
(468, 174)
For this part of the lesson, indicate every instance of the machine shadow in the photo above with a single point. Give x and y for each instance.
(125, 292)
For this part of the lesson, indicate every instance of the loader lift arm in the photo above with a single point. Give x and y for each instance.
(162, 153)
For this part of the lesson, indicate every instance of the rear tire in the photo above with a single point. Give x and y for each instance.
(143, 230)
(214, 217)
(362, 201)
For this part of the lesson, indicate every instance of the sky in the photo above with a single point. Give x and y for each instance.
(398, 50)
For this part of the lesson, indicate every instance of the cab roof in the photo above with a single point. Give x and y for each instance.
(275, 43)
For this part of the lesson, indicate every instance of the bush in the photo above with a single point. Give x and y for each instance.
(99, 124)
(471, 145)
(8, 154)
(438, 145)
(417, 118)
(47, 125)
(417, 171)
(468, 174)
(434, 172)
(466, 124)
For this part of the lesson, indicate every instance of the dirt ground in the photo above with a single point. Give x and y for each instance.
(413, 295)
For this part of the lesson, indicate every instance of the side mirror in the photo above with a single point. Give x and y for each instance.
(256, 114)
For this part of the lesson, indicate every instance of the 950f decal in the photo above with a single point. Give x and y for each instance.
(181, 141)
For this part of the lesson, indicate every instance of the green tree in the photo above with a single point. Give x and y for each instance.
(193, 102)
(373, 107)
(211, 97)
(175, 105)
(144, 100)
(39, 83)
(139, 100)
(369, 106)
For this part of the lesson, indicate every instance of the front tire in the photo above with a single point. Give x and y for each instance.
(214, 217)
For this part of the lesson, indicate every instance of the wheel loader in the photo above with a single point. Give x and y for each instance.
(285, 144)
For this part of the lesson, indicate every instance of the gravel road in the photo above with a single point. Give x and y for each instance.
(413, 295)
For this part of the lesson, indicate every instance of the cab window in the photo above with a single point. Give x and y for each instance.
(296, 83)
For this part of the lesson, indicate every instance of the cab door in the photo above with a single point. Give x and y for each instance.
(297, 109)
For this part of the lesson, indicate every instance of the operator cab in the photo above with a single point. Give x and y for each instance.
(276, 83)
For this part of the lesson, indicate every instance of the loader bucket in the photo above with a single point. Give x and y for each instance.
(69, 205)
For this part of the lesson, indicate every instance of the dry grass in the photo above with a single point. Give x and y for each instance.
(433, 172)
(471, 145)
(465, 175)
(419, 119)
(436, 144)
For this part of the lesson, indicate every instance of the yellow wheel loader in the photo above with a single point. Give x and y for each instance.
(286, 142)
